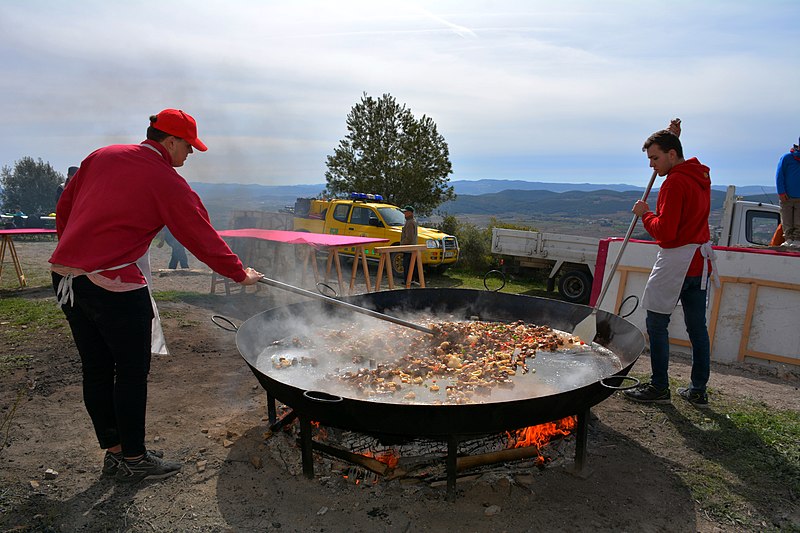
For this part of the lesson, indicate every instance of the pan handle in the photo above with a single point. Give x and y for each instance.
(324, 397)
(332, 292)
(224, 322)
(635, 381)
(486, 277)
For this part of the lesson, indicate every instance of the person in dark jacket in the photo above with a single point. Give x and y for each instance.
(71, 171)
(787, 182)
(408, 236)
(178, 251)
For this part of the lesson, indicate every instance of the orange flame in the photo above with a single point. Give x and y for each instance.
(322, 433)
(542, 434)
(386, 457)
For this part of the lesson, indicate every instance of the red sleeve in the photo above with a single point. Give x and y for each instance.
(187, 219)
(663, 224)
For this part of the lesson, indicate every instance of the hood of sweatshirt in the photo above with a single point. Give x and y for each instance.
(694, 171)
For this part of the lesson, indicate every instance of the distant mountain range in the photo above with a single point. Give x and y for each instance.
(477, 187)
(488, 186)
(503, 199)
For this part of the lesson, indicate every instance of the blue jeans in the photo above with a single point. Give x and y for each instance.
(178, 256)
(693, 299)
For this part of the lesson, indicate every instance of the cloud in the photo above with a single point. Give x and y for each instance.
(518, 90)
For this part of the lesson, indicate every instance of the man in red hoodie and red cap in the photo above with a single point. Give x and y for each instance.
(109, 213)
(680, 227)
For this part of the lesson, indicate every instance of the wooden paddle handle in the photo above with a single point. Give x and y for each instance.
(345, 305)
(674, 127)
(624, 244)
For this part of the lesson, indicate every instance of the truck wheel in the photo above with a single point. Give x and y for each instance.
(575, 286)
(398, 271)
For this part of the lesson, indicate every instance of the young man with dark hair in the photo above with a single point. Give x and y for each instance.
(680, 227)
(120, 199)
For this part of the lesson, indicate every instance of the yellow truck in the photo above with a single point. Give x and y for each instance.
(367, 215)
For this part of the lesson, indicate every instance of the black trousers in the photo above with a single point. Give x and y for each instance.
(112, 332)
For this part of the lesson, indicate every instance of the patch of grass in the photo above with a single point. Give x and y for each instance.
(779, 430)
(744, 465)
(9, 362)
(710, 485)
(189, 297)
(464, 279)
(24, 312)
(750, 461)
(18, 317)
(179, 316)
(173, 296)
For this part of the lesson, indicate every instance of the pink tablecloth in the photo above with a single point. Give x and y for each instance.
(301, 237)
(26, 231)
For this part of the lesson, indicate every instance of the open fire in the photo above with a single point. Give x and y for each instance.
(540, 435)
(424, 459)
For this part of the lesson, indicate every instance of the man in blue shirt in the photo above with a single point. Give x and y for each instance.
(787, 181)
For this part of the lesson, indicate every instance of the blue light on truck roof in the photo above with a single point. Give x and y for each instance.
(363, 196)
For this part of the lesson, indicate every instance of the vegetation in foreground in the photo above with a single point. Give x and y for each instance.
(745, 472)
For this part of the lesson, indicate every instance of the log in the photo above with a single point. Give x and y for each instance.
(373, 465)
(511, 454)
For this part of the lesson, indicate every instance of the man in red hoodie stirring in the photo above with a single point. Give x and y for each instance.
(106, 218)
(680, 227)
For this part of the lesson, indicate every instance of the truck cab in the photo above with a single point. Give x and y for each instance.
(747, 223)
(364, 215)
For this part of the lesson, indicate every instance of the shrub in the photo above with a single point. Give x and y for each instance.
(475, 243)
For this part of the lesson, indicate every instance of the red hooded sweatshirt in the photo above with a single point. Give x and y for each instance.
(116, 204)
(682, 208)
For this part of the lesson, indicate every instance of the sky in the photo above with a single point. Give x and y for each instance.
(533, 90)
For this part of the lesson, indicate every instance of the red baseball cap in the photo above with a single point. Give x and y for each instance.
(179, 124)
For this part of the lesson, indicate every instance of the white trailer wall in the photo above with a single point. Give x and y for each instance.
(754, 316)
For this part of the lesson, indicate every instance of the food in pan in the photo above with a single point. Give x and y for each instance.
(462, 360)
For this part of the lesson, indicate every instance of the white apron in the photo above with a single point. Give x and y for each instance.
(158, 344)
(664, 285)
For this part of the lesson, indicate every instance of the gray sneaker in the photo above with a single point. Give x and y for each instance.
(694, 397)
(151, 466)
(647, 393)
(111, 462)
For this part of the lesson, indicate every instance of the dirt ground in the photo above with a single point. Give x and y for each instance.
(207, 410)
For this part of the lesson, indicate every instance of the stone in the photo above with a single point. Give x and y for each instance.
(491, 510)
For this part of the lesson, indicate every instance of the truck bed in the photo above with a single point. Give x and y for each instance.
(550, 246)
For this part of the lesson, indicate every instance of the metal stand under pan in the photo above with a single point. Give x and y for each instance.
(307, 444)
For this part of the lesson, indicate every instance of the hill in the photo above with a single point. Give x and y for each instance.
(584, 209)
